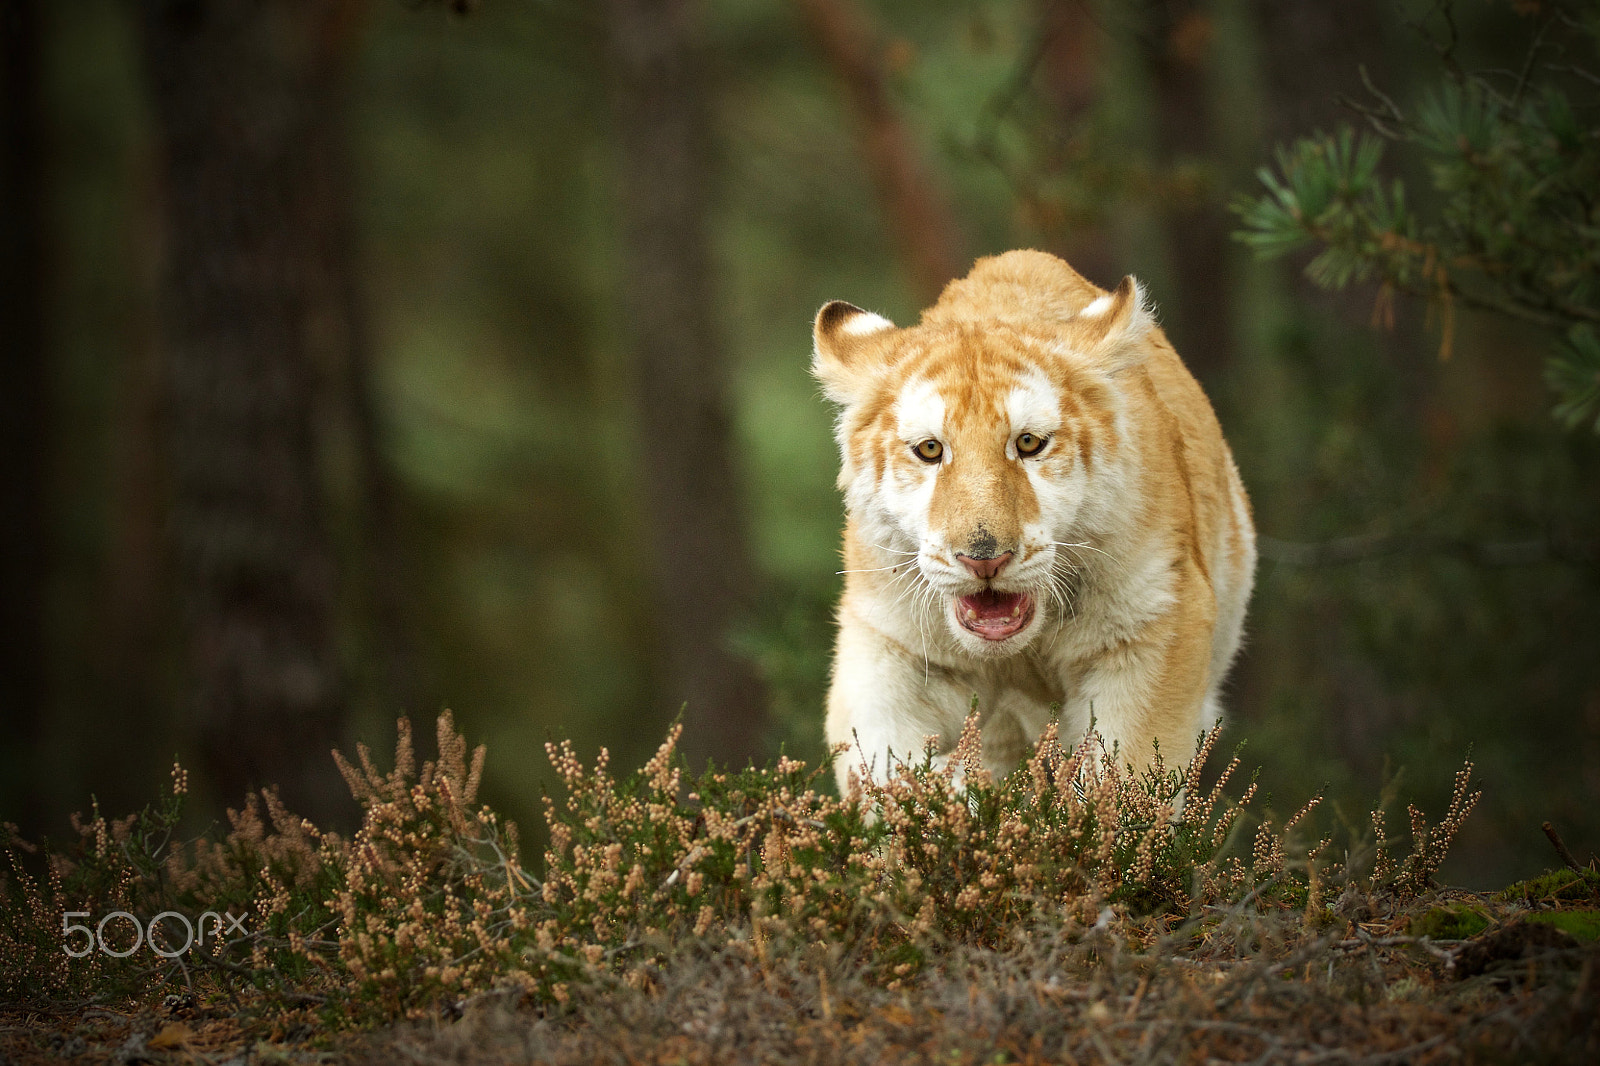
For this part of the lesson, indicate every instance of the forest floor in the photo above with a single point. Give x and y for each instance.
(1061, 915)
(1460, 977)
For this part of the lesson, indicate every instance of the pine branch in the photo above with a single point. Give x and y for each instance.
(1511, 225)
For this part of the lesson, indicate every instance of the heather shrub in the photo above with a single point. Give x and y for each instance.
(429, 903)
(112, 866)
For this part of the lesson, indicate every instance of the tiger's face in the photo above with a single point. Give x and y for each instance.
(983, 453)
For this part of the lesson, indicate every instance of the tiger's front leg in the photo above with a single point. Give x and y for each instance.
(1146, 693)
(884, 702)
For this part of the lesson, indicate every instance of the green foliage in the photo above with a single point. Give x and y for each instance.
(1583, 924)
(1574, 375)
(1330, 192)
(429, 902)
(1557, 886)
(1457, 921)
(1512, 223)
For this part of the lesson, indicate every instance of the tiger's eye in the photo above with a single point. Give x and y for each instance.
(1030, 444)
(929, 451)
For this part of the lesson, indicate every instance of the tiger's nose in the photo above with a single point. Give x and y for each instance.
(984, 568)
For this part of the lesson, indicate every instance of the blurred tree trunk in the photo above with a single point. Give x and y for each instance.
(345, 353)
(389, 607)
(703, 572)
(1073, 46)
(140, 617)
(24, 406)
(1315, 57)
(1177, 52)
(243, 92)
(919, 215)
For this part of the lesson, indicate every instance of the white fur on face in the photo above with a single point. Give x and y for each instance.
(919, 412)
(1032, 405)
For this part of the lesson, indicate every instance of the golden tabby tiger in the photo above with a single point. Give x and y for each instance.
(1041, 512)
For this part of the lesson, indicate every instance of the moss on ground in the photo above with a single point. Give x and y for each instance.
(1455, 921)
(1556, 886)
(1582, 923)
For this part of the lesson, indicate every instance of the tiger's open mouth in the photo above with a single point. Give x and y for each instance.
(994, 615)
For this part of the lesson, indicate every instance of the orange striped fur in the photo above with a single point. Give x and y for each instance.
(1031, 413)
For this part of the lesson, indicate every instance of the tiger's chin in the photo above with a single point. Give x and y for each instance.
(992, 623)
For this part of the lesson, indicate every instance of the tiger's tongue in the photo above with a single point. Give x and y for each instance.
(991, 608)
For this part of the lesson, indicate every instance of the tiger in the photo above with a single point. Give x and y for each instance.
(1042, 521)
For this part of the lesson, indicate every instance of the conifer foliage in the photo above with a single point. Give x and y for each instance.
(1511, 221)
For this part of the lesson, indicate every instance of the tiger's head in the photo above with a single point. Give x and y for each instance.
(987, 447)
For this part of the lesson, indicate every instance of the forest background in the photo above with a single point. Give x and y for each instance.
(366, 358)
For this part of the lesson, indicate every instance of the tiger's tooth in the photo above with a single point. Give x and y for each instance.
(1015, 611)
(972, 616)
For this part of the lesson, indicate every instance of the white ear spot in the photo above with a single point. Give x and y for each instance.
(864, 324)
(1097, 307)
(1118, 323)
(844, 359)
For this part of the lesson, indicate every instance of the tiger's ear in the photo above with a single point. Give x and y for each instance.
(1116, 325)
(844, 358)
